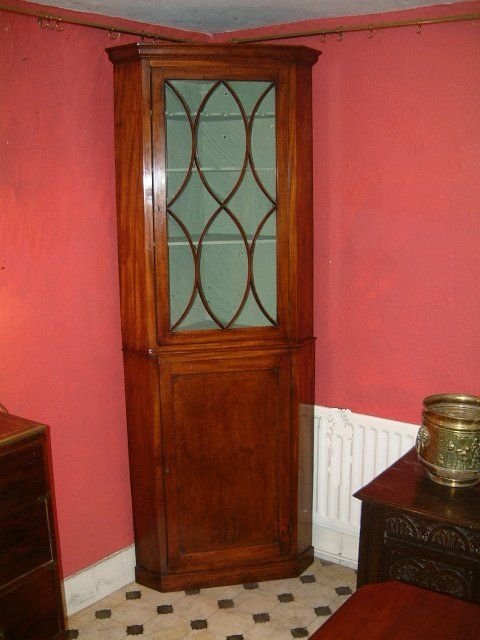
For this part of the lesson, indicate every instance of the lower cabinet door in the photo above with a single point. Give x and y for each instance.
(227, 452)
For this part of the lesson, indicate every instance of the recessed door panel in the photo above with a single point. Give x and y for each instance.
(227, 456)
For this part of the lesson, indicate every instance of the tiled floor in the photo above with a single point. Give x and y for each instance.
(275, 610)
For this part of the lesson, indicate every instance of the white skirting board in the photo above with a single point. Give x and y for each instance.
(350, 450)
(99, 580)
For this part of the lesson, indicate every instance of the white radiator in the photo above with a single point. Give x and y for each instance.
(350, 450)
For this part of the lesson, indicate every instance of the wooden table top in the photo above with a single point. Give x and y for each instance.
(399, 611)
(406, 485)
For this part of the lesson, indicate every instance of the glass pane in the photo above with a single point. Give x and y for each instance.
(182, 271)
(251, 315)
(197, 318)
(221, 142)
(263, 143)
(223, 269)
(264, 268)
(194, 206)
(250, 204)
(193, 92)
(248, 93)
(221, 203)
(179, 143)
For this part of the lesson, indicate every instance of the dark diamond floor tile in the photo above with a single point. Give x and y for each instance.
(133, 595)
(343, 591)
(308, 578)
(326, 563)
(135, 630)
(261, 617)
(286, 597)
(71, 634)
(102, 614)
(238, 636)
(164, 608)
(192, 592)
(299, 632)
(199, 624)
(225, 604)
(323, 611)
(251, 585)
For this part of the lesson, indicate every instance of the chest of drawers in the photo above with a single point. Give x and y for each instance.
(31, 605)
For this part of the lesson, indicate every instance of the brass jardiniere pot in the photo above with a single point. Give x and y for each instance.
(448, 442)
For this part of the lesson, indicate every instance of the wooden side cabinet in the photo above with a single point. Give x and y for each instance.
(417, 531)
(31, 606)
(214, 203)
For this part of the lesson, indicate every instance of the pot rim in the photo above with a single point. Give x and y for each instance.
(433, 415)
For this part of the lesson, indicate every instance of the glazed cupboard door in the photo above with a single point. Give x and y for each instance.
(221, 225)
(227, 455)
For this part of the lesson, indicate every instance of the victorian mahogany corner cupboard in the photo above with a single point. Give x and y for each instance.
(214, 197)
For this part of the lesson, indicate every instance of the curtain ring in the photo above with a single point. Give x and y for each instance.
(419, 27)
(370, 32)
(150, 38)
(49, 22)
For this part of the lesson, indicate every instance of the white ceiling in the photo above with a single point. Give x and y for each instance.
(215, 16)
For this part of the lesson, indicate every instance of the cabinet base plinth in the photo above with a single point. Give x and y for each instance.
(222, 577)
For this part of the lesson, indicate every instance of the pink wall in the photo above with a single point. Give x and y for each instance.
(397, 193)
(397, 188)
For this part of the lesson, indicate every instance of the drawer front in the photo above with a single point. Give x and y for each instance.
(443, 536)
(31, 610)
(432, 571)
(24, 541)
(22, 475)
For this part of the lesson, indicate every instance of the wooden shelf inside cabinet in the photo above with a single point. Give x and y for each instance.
(31, 606)
(214, 172)
(216, 169)
(220, 239)
(218, 116)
